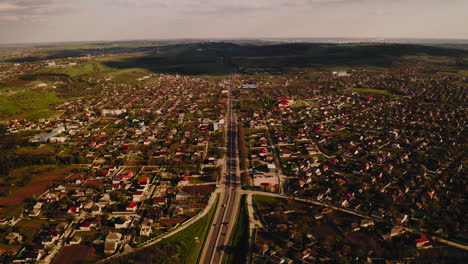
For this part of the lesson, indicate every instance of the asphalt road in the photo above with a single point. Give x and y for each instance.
(226, 213)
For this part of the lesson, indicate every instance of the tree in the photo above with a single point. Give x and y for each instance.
(118, 195)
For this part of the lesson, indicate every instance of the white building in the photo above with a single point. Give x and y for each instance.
(44, 137)
(340, 74)
(113, 112)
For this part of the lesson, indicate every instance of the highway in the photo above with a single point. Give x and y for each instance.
(226, 212)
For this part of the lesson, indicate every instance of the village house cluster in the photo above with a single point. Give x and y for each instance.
(385, 145)
(146, 160)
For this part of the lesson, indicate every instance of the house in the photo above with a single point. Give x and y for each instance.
(423, 242)
(86, 226)
(271, 167)
(366, 223)
(44, 137)
(355, 226)
(339, 74)
(12, 237)
(49, 241)
(34, 212)
(185, 181)
(396, 231)
(159, 200)
(285, 153)
(132, 207)
(318, 216)
(143, 181)
(114, 236)
(76, 240)
(137, 196)
(57, 139)
(181, 195)
(122, 222)
(4, 221)
(33, 257)
(396, 146)
(96, 209)
(112, 242)
(146, 229)
(315, 170)
(74, 209)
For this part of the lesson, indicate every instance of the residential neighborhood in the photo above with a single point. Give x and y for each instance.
(226, 152)
(144, 162)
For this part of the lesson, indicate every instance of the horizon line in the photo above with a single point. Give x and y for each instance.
(303, 39)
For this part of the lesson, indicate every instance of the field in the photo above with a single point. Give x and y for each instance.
(29, 228)
(80, 69)
(76, 254)
(369, 91)
(37, 178)
(28, 104)
(237, 249)
(182, 248)
(43, 150)
(9, 248)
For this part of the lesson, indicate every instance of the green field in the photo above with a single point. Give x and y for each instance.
(128, 75)
(369, 91)
(28, 104)
(261, 203)
(238, 245)
(181, 248)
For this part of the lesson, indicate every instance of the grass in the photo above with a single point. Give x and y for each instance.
(238, 245)
(261, 203)
(129, 75)
(29, 228)
(371, 91)
(200, 229)
(213, 77)
(45, 113)
(30, 181)
(304, 103)
(90, 67)
(183, 246)
(28, 104)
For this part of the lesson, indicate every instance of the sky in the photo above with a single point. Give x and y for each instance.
(30, 21)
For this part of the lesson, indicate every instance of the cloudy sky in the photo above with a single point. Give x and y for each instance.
(83, 20)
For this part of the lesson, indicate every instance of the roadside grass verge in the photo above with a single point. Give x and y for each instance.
(181, 248)
(238, 245)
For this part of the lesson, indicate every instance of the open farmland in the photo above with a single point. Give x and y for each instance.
(39, 178)
(28, 104)
(76, 254)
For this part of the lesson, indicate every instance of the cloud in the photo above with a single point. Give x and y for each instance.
(32, 11)
(9, 18)
(233, 6)
(9, 7)
(226, 5)
(143, 3)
